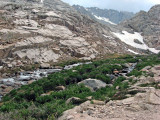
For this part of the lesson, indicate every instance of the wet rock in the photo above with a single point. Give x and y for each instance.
(126, 65)
(111, 77)
(24, 78)
(74, 100)
(93, 84)
(8, 82)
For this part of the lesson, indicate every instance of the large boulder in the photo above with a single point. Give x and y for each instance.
(45, 66)
(93, 84)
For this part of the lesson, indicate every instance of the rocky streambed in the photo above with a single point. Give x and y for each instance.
(28, 77)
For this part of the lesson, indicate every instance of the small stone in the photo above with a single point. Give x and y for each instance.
(74, 100)
(116, 71)
(117, 87)
(45, 94)
(98, 102)
(74, 70)
(1, 67)
(89, 98)
(128, 95)
(59, 88)
(9, 65)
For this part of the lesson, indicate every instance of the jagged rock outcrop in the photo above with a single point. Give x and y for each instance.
(104, 16)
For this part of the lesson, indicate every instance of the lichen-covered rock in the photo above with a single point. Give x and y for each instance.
(93, 84)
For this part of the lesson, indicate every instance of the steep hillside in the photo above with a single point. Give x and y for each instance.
(51, 31)
(147, 23)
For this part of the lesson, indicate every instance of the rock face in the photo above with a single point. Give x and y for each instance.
(112, 15)
(149, 24)
(140, 107)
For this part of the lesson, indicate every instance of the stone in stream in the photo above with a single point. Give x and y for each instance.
(93, 84)
(24, 78)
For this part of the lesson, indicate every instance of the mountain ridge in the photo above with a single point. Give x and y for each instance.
(112, 15)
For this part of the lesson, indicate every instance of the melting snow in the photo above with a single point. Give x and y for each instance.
(104, 19)
(42, 1)
(133, 51)
(129, 38)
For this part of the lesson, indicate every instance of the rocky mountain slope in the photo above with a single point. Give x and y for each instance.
(147, 23)
(105, 16)
(50, 31)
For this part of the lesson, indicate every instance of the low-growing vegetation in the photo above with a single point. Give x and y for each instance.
(28, 103)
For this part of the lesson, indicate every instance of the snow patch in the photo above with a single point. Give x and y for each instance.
(42, 1)
(104, 19)
(132, 51)
(129, 38)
